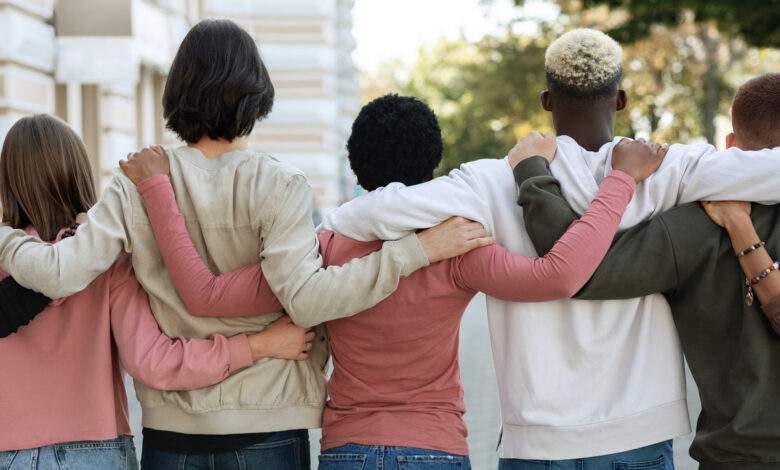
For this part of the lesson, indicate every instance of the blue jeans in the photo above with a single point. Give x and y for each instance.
(655, 457)
(116, 454)
(286, 450)
(360, 457)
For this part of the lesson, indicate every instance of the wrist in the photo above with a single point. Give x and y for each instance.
(733, 222)
(259, 346)
(152, 181)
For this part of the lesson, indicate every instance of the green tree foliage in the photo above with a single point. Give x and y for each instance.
(484, 94)
(755, 21)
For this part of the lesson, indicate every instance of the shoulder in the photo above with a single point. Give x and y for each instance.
(478, 174)
(270, 165)
(481, 167)
(689, 227)
(691, 214)
(269, 172)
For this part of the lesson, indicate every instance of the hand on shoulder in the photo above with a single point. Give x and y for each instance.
(532, 145)
(639, 158)
(150, 161)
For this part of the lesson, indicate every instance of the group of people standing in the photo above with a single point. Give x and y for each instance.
(199, 272)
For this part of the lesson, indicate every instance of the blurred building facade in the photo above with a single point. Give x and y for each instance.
(101, 67)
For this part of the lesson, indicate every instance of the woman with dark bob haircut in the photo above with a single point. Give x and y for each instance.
(240, 207)
(214, 90)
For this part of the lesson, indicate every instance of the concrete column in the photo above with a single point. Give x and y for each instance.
(73, 108)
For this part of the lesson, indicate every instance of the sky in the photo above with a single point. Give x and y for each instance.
(396, 29)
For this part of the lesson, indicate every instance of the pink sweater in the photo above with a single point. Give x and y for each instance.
(62, 380)
(396, 378)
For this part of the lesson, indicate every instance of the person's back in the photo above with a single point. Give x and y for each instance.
(68, 346)
(396, 377)
(733, 353)
(224, 229)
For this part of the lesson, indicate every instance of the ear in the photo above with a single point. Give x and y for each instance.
(546, 100)
(731, 140)
(621, 101)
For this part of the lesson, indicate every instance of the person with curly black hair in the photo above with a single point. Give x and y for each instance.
(394, 139)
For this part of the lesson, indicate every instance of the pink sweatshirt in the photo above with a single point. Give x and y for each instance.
(62, 380)
(396, 378)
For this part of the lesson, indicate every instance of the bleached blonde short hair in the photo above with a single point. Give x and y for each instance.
(584, 63)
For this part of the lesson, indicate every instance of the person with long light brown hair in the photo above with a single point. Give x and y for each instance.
(62, 397)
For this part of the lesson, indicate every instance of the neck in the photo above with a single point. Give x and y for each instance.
(216, 148)
(590, 130)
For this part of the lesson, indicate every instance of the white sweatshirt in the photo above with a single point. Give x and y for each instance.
(576, 378)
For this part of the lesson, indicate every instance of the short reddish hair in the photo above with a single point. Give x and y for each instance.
(755, 111)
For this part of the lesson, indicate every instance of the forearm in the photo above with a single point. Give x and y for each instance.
(313, 295)
(548, 215)
(395, 211)
(239, 293)
(62, 269)
(168, 363)
(566, 268)
(743, 235)
(18, 306)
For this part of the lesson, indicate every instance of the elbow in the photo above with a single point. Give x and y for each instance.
(568, 288)
(197, 306)
(154, 380)
(304, 321)
(198, 310)
(305, 317)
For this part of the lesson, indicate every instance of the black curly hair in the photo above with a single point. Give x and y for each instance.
(394, 139)
(217, 86)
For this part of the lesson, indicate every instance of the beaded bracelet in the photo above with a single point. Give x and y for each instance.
(750, 282)
(750, 249)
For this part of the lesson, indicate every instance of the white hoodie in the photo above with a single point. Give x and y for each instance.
(576, 378)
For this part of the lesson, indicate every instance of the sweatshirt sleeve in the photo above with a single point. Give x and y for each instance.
(62, 269)
(18, 306)
(565, 269)
(731, 174)
(641, 261)
(395, 211)
(155, 359)
(292, 264)
(242, 292)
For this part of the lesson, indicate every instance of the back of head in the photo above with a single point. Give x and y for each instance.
(45, 177)
(755, 112)
(394, 139)
(584, 65)
(218, 86)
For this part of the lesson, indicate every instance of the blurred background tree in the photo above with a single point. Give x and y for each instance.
(682, 60)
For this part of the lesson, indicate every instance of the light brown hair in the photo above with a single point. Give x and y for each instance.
(45, 177)
(755, 111)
